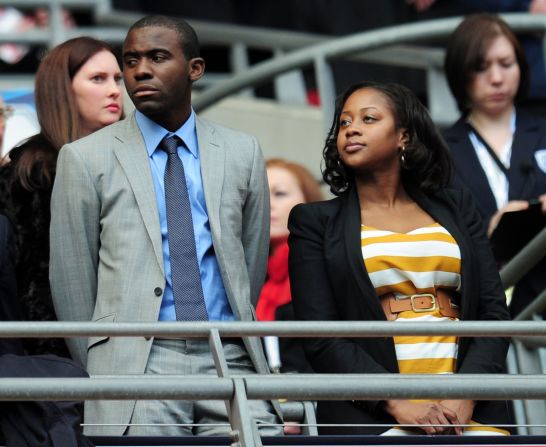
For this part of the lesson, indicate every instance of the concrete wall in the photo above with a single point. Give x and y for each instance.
(292, 132)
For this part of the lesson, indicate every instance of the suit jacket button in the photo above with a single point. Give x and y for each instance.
(158, 291)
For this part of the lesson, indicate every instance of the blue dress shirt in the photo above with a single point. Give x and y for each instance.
(216, 301)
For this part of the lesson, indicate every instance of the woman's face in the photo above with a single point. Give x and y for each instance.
(97, 92)
(284, 194)
(495, 85)
(368, 139)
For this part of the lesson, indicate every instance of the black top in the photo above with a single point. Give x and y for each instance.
(29, 214)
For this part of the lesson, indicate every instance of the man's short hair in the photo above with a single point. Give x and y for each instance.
(186, 34)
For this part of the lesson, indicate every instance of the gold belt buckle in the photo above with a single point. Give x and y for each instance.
(428, 309)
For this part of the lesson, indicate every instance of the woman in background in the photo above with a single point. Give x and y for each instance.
(77, 91)
(499, 150)
(395, 245)
(289, 184)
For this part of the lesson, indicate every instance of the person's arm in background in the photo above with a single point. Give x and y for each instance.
(74, 239)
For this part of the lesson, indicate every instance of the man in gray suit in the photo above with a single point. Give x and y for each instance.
(118, 241)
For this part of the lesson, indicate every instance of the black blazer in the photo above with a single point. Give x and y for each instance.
(526, 180)
(329, 282)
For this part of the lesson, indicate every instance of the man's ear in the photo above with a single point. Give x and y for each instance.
(197, 68)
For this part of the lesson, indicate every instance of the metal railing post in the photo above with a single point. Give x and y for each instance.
(327, 89)
(528, 361)
(247, 434)
(239, 64)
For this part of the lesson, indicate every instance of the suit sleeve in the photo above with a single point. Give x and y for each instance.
(256, 217)
(314, 299)
(74, 239)
(484, 355)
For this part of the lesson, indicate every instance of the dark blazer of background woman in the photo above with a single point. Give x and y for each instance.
(329, 282)
(525, 178)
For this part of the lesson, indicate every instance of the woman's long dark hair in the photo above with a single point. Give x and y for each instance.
(427, 162)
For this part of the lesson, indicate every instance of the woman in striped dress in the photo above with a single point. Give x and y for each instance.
(395, 245)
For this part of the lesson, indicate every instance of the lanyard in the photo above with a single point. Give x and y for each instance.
(492, 153)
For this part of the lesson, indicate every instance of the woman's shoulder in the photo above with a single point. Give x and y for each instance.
(321, 207)
(314, 214)
(529, 120)
(37, 144)
(457, 198)
(455, 131)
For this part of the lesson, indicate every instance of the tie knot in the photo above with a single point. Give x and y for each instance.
(170, 144)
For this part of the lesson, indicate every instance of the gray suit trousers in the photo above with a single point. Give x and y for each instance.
(206, 417)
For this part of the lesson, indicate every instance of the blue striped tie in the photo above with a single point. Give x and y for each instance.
(189, 302)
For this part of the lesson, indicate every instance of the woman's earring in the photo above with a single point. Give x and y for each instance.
(403, 156)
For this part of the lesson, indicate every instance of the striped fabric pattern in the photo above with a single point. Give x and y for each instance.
(417, 262)
(413, 263)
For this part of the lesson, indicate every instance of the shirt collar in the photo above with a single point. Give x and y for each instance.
(153, 133)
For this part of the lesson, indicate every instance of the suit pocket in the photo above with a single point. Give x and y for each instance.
(94, 341)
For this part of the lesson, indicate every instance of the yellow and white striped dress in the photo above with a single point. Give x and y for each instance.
(418, 262)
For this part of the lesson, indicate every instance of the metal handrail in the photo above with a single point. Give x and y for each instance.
(276, 386)
(237, 389)
(353, 44)
(179, 329)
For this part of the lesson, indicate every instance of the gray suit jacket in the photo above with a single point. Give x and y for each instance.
(106, 255)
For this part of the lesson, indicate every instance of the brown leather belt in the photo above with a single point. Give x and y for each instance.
(426, 302)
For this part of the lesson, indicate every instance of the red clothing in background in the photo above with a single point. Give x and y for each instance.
(276, 290)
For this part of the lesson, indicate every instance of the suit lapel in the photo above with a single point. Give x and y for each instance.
(526, 141)
(469, 171)
(131, 153)
(212, 159)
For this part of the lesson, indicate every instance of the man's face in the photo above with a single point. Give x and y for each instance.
(157, 75)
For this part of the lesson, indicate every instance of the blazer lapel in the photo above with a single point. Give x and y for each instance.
(131, 153)
(468, 169)
(353, 250)
(212, 159)
(526, 141)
